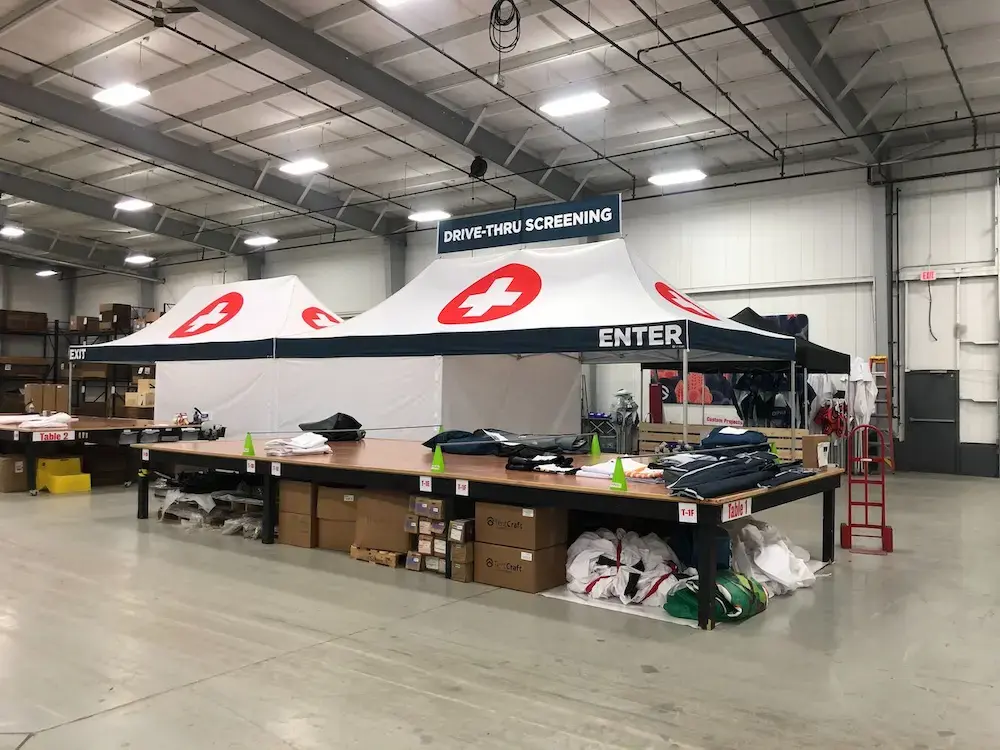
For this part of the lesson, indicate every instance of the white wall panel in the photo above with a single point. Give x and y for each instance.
(348, 277)
(36, 294)
(93, 291)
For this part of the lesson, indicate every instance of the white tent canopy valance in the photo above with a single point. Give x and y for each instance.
(241, 320)
(598, 300)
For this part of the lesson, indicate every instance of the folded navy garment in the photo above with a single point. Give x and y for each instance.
(492, 442)
(721, 437)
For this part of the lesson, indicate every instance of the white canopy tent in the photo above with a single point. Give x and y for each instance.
(214, 350)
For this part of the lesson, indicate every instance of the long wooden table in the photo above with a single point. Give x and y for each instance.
(406, 466)
(33, 442)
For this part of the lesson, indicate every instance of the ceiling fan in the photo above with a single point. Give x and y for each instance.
(161, 15)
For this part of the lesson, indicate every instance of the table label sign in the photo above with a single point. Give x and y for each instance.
(17, 436)
(687, 512)
(251, 466)
(736, 509)
(275, 469)
(425, 484)
(53, 437)
(462, 487)
(145, 454)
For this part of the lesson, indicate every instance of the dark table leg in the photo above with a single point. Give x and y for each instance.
(31, 466)
(142, 492)
(270, 514)
(706, 575)
(829, 524)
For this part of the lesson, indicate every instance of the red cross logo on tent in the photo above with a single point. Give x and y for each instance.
(677, 299)
(319, 318)
(213, 315)
(503, 292)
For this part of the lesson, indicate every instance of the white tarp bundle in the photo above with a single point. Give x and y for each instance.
(597, 300)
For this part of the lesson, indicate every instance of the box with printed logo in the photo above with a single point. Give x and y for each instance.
(524, 528)
(530, 571)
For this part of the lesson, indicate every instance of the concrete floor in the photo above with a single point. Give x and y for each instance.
(123, 634)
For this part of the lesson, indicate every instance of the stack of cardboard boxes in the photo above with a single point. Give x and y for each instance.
(425, 528)
(145, 395)
(46, 397)
(520, 548)
(115, 318)
(366, 523)
(23, 321)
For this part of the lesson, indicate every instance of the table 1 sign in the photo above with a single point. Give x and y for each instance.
(462, 487)
(425, 484)
(687, 512)
(736, 509)
(251, 466)
(57, 436)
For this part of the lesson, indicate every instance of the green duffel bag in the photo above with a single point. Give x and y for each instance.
(736, 598)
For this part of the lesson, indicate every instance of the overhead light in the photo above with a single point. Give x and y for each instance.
(574, 105)
(391, 3)
(304, 166)
(435, 215)
(261, 241)
(46, 273)
(11, 231)
(677, 178)
(17, 204)
(138, 259)
(133, 204)
(121, 95)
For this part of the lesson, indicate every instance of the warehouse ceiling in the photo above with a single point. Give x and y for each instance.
(395, 98)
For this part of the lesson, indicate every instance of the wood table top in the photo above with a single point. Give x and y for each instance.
(93, 424)
(411, 458)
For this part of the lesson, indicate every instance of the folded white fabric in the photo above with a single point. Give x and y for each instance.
(306, 444)
(762, 552)
(14, 418)
(633, 470)
(60, 420)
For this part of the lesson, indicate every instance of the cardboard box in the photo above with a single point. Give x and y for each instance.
(145, 385)
(25, 366)
(295, 497)
(34, 398)
(31, 322)
(147, 400)
(462, 572)
(389, 559)
(336, 504)
(414, 561)
(438, 528)
(143, 372)
(296, 529)
(429, 507)
(435, 564)
(60, 398)
(523, 528)
(440, 547)
(13, 477)
(78, 323)
(132, 399)
(335, 535)
(424, 526)
(530, 571)
(462, 530)
(425, 545)
(380, 521)
(412, 524)
(464, 552)
(812, 446)
(42, 397)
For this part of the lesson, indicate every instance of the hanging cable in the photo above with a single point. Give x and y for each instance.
(505, 26)
(930, 309)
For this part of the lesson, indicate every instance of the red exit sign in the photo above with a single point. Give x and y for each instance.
(928, 275)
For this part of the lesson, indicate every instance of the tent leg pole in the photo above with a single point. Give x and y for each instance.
(684, 388)
(69, 389)
(805, 402)
(792, 421)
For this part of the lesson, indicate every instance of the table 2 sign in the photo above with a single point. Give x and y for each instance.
(55, 436)
(736, 509)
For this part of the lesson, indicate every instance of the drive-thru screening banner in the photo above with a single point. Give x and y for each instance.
(554, 221)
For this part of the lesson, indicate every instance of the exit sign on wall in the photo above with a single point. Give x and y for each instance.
(928, 275)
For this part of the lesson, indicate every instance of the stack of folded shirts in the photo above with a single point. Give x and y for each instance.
(548, 463)
(306, 444)
(633, 470)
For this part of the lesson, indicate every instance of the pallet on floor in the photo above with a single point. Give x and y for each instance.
(379, 557)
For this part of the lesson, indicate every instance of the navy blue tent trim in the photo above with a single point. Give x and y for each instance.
(142, 354)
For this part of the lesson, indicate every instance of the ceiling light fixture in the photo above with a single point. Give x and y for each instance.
(133, 204)
(677, 178)
(139, 259)
(121, 95)
(262, 241)
(391, 3)
(574, 105)
(46, 273)
(11, 231)
(433, 215)
(304, 166)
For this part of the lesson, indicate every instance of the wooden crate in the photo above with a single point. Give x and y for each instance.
(379, 557)
(651, 435)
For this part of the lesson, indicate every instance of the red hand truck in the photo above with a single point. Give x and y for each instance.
(860, 472)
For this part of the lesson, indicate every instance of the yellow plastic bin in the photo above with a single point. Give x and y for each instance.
(61, 476)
